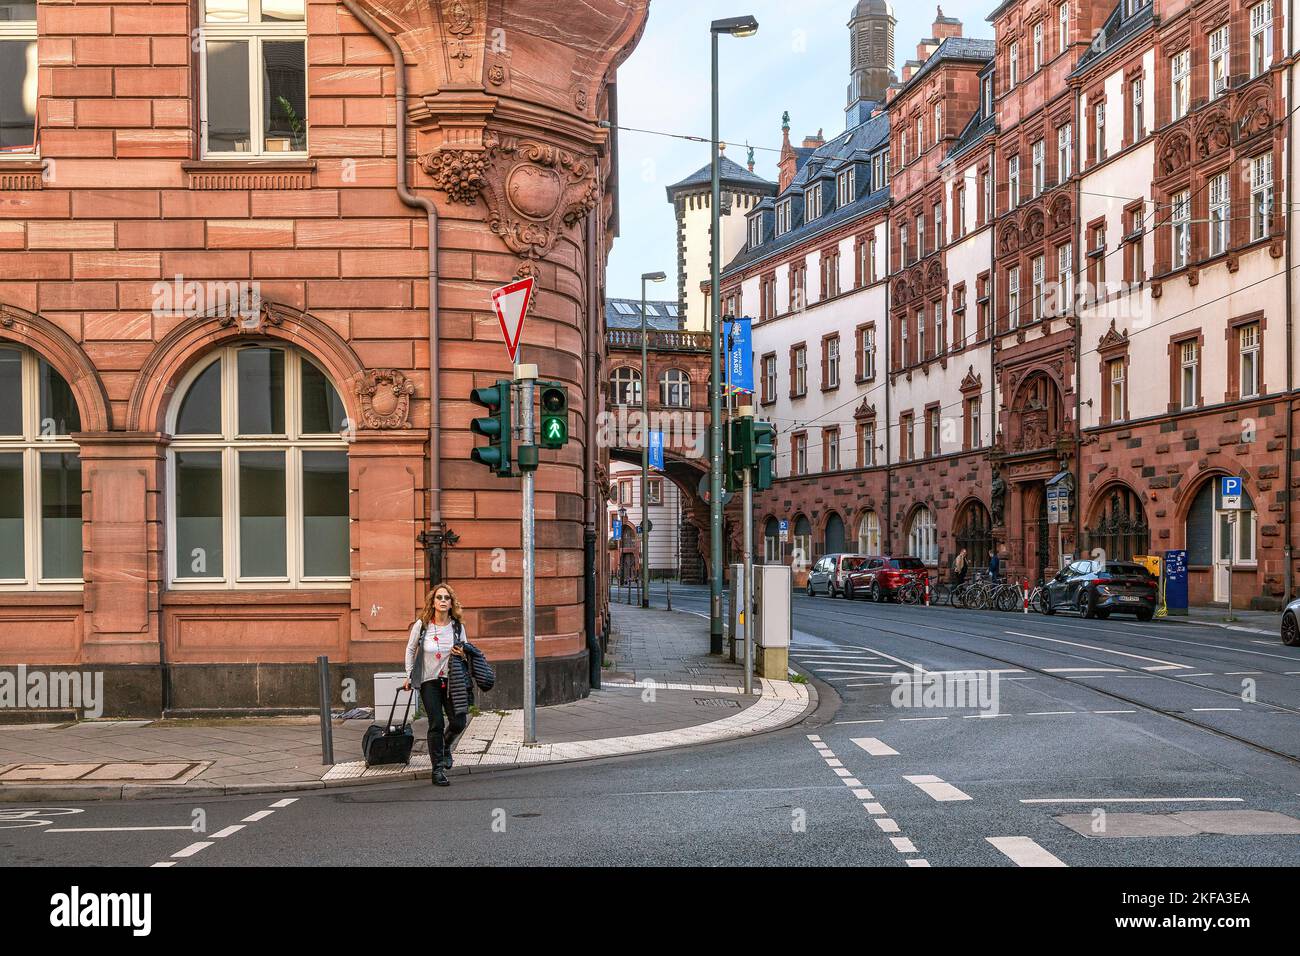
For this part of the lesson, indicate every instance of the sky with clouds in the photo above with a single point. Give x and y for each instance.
(798, 61)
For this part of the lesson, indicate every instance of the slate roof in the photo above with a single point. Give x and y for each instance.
(729, 172)
(660, 315)
(973, 49)
(856, 144)
(1115, 32)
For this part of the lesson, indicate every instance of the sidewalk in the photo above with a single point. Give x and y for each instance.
(663, 690)
(1252, 622)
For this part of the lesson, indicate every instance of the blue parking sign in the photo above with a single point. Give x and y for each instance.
(1229, 493)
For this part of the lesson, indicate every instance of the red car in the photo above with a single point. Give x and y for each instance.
(883, 575)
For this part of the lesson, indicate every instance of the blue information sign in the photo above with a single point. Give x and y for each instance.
(657, 450)
(1176, 581)
(617, 530)
(740, 354)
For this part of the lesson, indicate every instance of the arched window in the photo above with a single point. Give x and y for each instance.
(1218, 539)
(675, 389)
(834, 535)
(975, 534)
(1040, 413)
(802, 544)
(771, 541)
(625, 386)
(869, 534)
(922, 536)
(40, 475)
(1119, 525)
(259, 473)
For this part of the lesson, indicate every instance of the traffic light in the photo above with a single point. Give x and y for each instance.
(739, 452)
(764, 439)
(496, 454)
(555, 415)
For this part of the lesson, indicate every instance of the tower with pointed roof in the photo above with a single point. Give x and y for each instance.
(742, 190)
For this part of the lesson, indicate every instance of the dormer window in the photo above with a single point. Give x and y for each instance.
(986, 95)
(812, 202)
(755, 230)
(844, 188)
(783, 217)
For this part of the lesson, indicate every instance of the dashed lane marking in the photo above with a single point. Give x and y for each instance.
(887, 825)
(875, 747)
(1022, 851)
(936, 788)
(259, 815)
(915, 862)
(1134, 800)
(232, 829)
(281, 804)
(192, 849)
(1167, 665)
(112, 829)
(902, 844)
(163, 864)
(1208, 709)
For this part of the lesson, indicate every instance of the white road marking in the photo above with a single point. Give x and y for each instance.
(222, 834)
(870, 683)
(1201, 709)
(1206, 674)
(814, 737)
(192, 849)
(902, 844)
(166, 863)
(1134, 800)
(852, 782)
(878, 720)
(1022, 851)
(259, 815)
(111, 829)
(1050, 713)
(915, 862)
(832, 762)
(863, 794)
(975, 671)
(821, 746)
(1103, 650)
(982, 716)
(840, 772)
(922, 718)
(936, 788)
(1114, 711)
(1239, 673)
(875, 747)
(886, 824)
(1082, 670)
(280, 804)
(1167, 667)
(874, 808)
(1177, 640)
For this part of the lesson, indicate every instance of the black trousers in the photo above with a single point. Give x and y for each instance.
(442, 731)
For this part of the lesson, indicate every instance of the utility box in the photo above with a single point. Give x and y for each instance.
(773, 622)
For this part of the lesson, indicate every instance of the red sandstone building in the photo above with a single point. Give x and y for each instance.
(222, 451)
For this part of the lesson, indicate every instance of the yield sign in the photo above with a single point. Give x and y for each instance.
(511, 305)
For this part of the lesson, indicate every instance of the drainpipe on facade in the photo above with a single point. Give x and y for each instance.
(1288, 582)
(889, 346)
(1077, 470)
(435, 538)
(594, 653)
(991, 331)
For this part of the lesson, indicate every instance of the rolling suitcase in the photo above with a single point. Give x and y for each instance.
(385, 744)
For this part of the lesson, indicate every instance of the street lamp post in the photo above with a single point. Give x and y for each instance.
(745, 26)
(645, 446)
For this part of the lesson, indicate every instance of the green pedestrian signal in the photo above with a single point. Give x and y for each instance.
(555, 415)
(496, 454)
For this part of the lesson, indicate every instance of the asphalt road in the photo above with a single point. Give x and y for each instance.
(1111, 744)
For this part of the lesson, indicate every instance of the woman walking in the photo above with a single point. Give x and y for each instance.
(436, 638)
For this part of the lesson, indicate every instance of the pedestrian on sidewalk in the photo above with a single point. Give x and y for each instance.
(959, 567)
(995, 566)
(436, 639)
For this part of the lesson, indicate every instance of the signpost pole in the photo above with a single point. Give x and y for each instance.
(526, 375)
(749, 580)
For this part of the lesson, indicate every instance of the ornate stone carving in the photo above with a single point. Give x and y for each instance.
(1008, 240)
(1112, 339)
(1175, 153)
(934, 275)
(1254, 114)
(1033, 230)
(251, 314)
(496, 74)
(385, 395)
(460, 173)
(971, 382)
(1061, 214)
(865, 410)
(580, 99)
(1213, 135)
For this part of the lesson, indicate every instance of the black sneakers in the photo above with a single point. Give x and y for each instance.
(440, 778)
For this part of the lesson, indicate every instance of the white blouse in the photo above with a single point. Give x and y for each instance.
(436, 648)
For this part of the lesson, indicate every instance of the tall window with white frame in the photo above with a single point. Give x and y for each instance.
(1037, 278)
(40, 476)
(1261, 37)
(1118, 390)
(1038, 155)
(1065, 279)
(769, 378)
(1219, 62)
(254, 78)
(1261, 195)
(258, 467)
(812, 202)
(938, 122)
(868, 444)
(1181, 228)
(800, 370)
(1135, 103)
(920, 335)
(934, 427)
(832, 462)
(1013, 58)
(939, 237)
(1220, 214)
(903, 242)
(1248, 357)
(940, 328)
(1063, 27)
(1189, 361)
(844, 183)
(18, 79)
(920, 235)
(1064, 149)
(1099, 132)
(869, 353)
(801, 454)
(1013, 297)
(1013, 182)
(1038, 46)
(1180, 84)
(833, 362)
(973, 422)
(922, 537)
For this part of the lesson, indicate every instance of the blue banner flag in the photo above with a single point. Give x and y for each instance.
(657, 450)
(740, 354)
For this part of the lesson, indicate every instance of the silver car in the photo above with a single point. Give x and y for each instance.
(830, 573)
(1291, 624)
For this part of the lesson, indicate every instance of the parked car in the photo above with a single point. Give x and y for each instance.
(1291, 624)
(1097, 589)
(831, 571)
(883, 575)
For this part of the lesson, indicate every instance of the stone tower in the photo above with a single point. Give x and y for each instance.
(871, 57)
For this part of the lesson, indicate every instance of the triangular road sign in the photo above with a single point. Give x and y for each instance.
(511, 305)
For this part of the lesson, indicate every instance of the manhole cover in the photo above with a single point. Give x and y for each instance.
(724, 702)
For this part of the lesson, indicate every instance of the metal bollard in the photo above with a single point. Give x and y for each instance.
(927, 590)
(668, 585)
(1024, 594)
(326, 728)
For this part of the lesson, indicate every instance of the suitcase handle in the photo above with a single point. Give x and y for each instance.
(392, 711)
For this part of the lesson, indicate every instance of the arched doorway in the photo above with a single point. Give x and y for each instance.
(802, 544)
(1119, 525)
(833, 535)
(923, 536)
(1219, 540)
(772, 541)
(869, 533)
(975, 533)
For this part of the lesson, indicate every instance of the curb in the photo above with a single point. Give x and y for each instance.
(1223, 625)
(13, 792)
